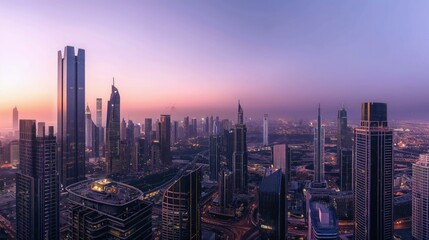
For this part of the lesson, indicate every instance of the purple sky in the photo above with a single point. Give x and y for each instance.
(277, 57)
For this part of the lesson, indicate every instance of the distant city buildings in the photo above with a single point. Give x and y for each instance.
(71, 115)
(420, 198)
(272, 207)
(104, 209)
(113, 128)
(373, 174)
(37, 185)
(239, 156)
(265, 130)
(181, 211)
(319, 151)
(148, 129)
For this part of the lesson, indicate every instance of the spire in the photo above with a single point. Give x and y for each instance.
(319, 119)
(87, 109)
(240, 114)
(113, 81)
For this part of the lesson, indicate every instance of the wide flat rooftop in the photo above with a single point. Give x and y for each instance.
(105, 191)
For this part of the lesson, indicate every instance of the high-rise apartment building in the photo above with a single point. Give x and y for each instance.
(239, 156)
(165, 139)
(37, 185)
(319, 151)
(181, 212)
(373, 174)
(71, 115)
(104, 209)
(265, 130)
(420, 198)
(113, 129)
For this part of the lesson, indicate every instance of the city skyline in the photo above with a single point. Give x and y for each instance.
(215, 49)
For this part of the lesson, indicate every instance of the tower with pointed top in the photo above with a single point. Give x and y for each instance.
(15, 121)
(319, 150)
(239, 156)
(113, 129)
(71, 115)
(88, 127)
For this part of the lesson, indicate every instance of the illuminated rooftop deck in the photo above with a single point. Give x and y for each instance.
(105, 191)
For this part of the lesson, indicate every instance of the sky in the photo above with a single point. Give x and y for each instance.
(199, 58)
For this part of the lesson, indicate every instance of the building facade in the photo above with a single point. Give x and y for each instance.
(37, 185)
(373, 176)
(319, 151)
(165, 139)
(181, 211)
(420, 198)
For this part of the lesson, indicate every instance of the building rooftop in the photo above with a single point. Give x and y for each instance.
(105, 191)
(323, 217)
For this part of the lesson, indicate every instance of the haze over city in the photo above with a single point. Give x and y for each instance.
(200, 58)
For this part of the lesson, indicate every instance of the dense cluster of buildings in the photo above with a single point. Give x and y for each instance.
(109, 209)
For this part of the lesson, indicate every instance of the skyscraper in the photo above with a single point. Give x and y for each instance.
(420, 198)
(15, 120)
(104, 209)
(265, 130)
(165, 141)
(37, 185)
(99, 120)
(40, 129)
(113, 122)
(373, 161)
(181, 212)
(239, 156)
(71, 115)
(175, 131)
(272, 207)
(319, 151)
(214, 156)
(148, 129)
(344, 151)
(88, 128)
(280, 159)
(123, 129)
(226, 189)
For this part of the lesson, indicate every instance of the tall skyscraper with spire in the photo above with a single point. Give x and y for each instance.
(71, 115)
(265, 130)
(37, 185)
(319, 151)
(239, 156)
(113, 129)
(373, 174)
